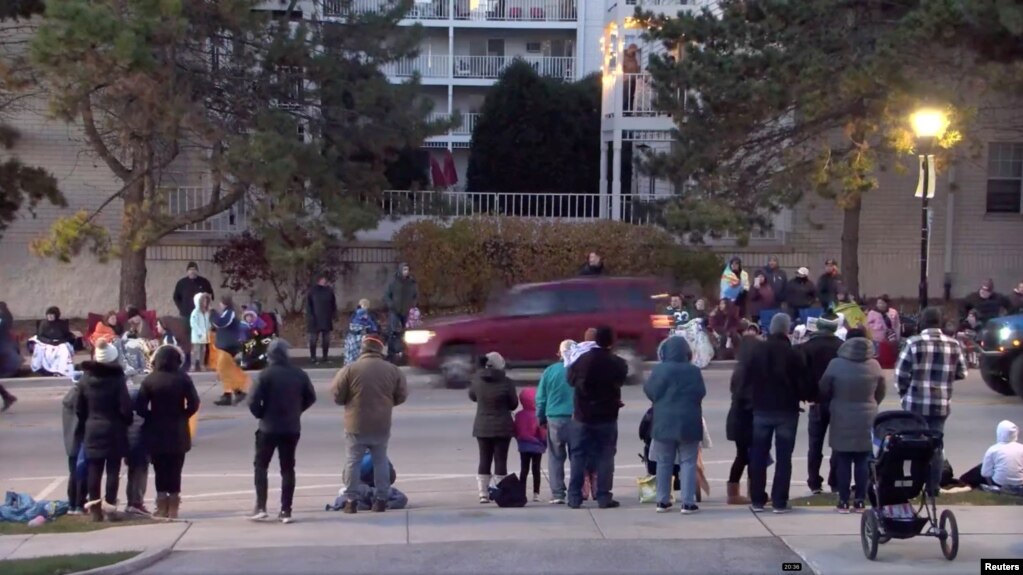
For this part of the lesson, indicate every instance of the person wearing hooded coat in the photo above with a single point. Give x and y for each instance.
(676, 389)
(493, 427)
(166, 400)
(104, 413)
(852, 388)
(320, 311)
(402, 295)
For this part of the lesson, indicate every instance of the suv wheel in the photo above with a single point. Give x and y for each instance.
(995, 381)
(456, 366)
(627, 351)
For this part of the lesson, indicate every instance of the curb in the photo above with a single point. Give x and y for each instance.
(137, 563)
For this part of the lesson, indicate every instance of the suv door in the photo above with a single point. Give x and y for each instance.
(580, 307)
(520, 321)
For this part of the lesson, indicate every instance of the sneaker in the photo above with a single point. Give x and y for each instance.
(313, 361)
(284, 517)
(139, 509)
(816, 490)
(756, 508)
(379, 506)
(239, 396)
(259, 515)
(781, 510)
(557, 501)
(224, 400)
(690, 509)
(663, 507)
(8, 403)
(610, 505)
(536, 498)
(75, 511)
(858, 507)
(842, 508)
(350, 507)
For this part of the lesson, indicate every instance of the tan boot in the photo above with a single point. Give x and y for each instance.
(161, 505)
(734, 498)
(173, 504)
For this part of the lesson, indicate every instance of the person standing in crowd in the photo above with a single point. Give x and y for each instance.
(184, 299)
(725, 322)
(761, 296)
(852, 388)
(986, 303)
(776, 375)
(531, 438)
(928, 366)
(597, 376)
(360, 324)
(320, 311)
(800, 293)
(104, 414)
(776, 278)
(402, 295)
(1015, 300)
(735, 284)
(884, 327)
(137, 462)
(10, 357)
(554, 406)
(594, 265)
(200, 325)
(76, 488)
(818, 353)
(166, 400)
(493, 427)
(829, 284)
(228, 344)
(739, 422)
(676, 389)
(369, 390)
(281, 395)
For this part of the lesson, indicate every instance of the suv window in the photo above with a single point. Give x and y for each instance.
(530, 303)
(635, 297)
(578, 300)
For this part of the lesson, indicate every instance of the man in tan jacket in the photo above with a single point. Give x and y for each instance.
(369, 389)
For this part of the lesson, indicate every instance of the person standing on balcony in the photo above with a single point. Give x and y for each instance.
(630, 68)
(320, 311)
(184, 298)
(594, 265)
(402, 295)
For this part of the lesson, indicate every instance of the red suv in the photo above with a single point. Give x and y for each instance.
(527, 323)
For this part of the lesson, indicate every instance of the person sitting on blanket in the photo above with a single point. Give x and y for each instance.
(108, 330)
(1002, 466)
(52, 349)
(138, 341)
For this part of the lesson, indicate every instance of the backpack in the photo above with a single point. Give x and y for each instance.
(510, 492)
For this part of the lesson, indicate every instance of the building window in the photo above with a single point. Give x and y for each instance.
(1005, 178)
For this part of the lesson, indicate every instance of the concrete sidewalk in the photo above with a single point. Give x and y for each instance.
(718, 539)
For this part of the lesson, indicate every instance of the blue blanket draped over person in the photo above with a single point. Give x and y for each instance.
(21, 508)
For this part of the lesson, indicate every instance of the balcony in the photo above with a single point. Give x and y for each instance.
(465, 129)
(478, 67)
(630, 95)
(463, 10)
(183, 199)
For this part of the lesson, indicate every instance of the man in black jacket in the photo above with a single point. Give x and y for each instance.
(597, 376)
(829, 284)
(281, 394)
(594, 265)
(320, 311)
(776, 375)
(818, 353)
(184, 300)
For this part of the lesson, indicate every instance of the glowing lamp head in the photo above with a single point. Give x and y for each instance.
(929, 123)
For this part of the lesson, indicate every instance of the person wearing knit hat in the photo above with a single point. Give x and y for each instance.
(818, 353)
(105, 353)
(493, 426)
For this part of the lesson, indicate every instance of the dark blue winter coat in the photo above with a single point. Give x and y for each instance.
(676, 388)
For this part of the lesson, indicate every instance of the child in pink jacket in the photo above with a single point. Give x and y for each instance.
(531, 438)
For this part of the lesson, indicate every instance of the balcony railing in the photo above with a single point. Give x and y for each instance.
(659, 2)
(183, 199)
(478, 11)
(468, 122)
(427, 65)
(478, 67)
(631, 95)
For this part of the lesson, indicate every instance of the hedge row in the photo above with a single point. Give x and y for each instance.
(461, 262)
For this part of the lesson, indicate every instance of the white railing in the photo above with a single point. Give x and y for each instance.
(659, 2)
(517, 10)
(461, 204)
(421, 10)
(632, 96)
(427, 65)
(491, 67)
(464, 129)
(183, 199)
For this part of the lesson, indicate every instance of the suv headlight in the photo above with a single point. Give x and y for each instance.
(1005, 333)
(418, 336)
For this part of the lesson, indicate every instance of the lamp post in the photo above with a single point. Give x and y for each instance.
(928, 125)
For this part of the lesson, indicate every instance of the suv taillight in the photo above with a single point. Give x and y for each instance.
(660, 321)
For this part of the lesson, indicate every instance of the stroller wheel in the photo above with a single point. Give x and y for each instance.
(869, 534)
(948, 534)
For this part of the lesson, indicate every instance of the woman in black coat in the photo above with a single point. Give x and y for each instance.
(166, 400)
(493, 426)
(104, 414)
(739, 422)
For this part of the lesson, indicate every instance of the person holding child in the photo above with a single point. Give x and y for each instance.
(531, 439)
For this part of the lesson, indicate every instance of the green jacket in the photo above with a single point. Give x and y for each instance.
(554, 397)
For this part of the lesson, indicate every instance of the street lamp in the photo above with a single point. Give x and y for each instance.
(928, 124)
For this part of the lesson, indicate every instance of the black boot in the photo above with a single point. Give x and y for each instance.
(224, 400)
(239, 396)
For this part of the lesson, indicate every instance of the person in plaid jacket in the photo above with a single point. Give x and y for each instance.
(927, 366)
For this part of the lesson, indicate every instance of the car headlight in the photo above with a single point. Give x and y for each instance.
(418, 336)
(1004, 333)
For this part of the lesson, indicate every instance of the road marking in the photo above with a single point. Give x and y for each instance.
(57, 482)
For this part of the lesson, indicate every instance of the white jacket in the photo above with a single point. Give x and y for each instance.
(1003, 462)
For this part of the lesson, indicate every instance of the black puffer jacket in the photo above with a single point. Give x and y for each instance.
(320, 309)
(777, 376)
(495, 399)
(818, 353)
(104, 410)
(800, 293)
(282, 393)
(166, 399)
(598, 376)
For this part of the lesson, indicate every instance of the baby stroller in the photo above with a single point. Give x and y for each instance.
(903, 450)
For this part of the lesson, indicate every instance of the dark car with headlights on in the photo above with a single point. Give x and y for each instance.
(526, 324)
(1001, 362)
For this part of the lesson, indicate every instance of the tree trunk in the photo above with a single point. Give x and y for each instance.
(133, 278)
(851, 247)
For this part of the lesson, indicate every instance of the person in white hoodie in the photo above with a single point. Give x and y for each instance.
(1003, 462)
(200, 324)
